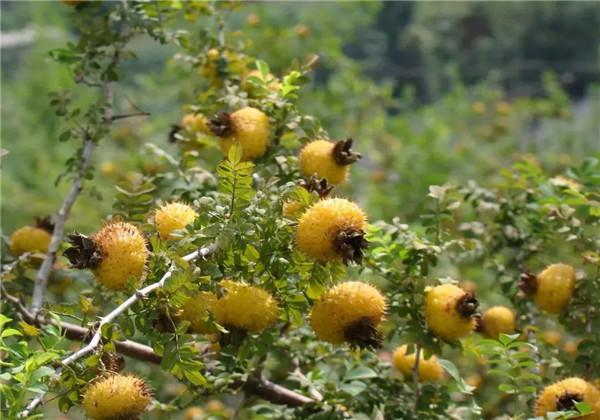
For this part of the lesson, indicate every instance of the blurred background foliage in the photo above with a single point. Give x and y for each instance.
(431, 92)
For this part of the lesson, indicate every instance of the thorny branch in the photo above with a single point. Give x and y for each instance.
(255, 385)
(41, 280)
(95, 341)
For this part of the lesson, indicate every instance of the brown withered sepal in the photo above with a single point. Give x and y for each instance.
(528, 283)
(83, 253)
(350, 245)
(467, 305)
(343, 153)
(112, 362)
(221, 125)
(44, 223)
(318, 185)
(566, 401)
(363, 334)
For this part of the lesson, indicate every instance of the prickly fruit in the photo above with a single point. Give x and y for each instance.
(173, 216)
(349, 312)
(248, 127)
(116, 396)
(245, 307)
(563, 395)
(29, 239)
(450, 311)
(498, 320)
(328, 160)
(331, 230)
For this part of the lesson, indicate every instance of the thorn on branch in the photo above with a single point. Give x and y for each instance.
(133, 114)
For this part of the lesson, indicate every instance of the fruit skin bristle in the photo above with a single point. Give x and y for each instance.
(447, 314)
(245, 307)
(332, 230)
(349, 313)
(562, 396)
(116, 396)
(173, 216)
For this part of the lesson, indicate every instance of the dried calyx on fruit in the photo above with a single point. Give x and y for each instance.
(249, 127)
(552, 288)
(318, 185)
(565, 394)
(116, 254)
(343, 153)
(333, 229)
(349, 313)
(450, 311)
(328, 160)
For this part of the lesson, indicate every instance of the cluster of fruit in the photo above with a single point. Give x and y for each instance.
(331, 229)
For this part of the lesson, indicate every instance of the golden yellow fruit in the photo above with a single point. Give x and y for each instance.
(562, 395)
(248, 127)
(246, 307)
(253, 19)
(124, 255)
(173, 216)
(220, 65)
(194, 413)
(29, 239)
(450, 311)
(474, 380)
(302, 30)
(196, 309)
(328, 160)
(116, 396)
(349, 312)
(108, 168)
(555, 287)
(331, 230)
(429, 369)
(498, 320)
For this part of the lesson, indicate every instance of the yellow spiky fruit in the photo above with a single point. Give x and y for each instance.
(196, 309)
(498, 320)
(195, 123)
(429, 369)
(246, 307)
(561, 396)
(554, 287)
(124, 255)
(116, 396)
(29, 239)
(349, 312)
(250, 128)
(173, 216)
(194, 413)
(449, 311)
(323, 229)
(317, 157)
